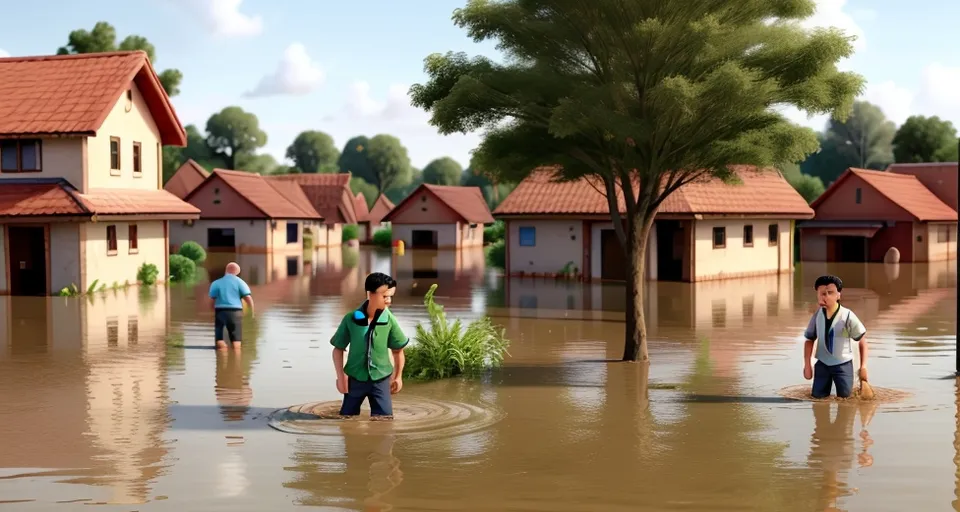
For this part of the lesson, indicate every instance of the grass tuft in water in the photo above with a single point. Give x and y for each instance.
(444, 349)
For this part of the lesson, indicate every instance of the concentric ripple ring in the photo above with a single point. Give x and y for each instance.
(881, 395)
(412, 416)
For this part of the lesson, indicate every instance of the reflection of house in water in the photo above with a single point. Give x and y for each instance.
(878, 286)
(102, 409)
(257, 268)
(456, 272)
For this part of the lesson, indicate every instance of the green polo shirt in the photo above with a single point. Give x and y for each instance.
(368, 345)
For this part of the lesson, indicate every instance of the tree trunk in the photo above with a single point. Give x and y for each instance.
(635, 344)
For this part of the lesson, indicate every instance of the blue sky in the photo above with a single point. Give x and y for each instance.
(345, 69)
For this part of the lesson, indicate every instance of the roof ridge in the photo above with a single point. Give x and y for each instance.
(73, 56)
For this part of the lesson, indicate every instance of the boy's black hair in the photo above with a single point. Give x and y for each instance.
(825, 280)
(377, 279)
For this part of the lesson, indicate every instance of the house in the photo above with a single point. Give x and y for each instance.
(939, 177)
(245, 213)
(81, 197)
(331, 197)
(865, 213)
(363, 212)
(188, 177)
(371, 220)
(440, 217)
(704, 230)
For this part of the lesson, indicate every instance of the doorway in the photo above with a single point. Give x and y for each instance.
(613, 263)
(27, 260)
(670, 247)
(221, 239)
(850, 249)
(423, 239)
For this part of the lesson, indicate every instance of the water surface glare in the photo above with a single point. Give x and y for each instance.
(118, 399)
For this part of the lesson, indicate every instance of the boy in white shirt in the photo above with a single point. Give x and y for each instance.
(835, 329)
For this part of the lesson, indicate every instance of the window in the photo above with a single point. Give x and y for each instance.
(134, 243)
(859, 195)
(528, 236)
(20, 155)
(773, 233)
(111, 240)
(719, 238)
(943, 234)
(133, 331)
(719, 313)
(113, 332)
(137, 164)
(293, 232)
(748, 235)
(115, 155)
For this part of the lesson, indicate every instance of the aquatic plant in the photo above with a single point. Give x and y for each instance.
(192, 250)
(497, 254)
(443, 349)
(182, 268)
(383, 237)
(93, 286)
(494, 232)
(70, 291)
(147, 274)
(350, 232)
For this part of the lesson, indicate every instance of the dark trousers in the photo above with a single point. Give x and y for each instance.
(231, 320)
(824, 377)
(377, 391)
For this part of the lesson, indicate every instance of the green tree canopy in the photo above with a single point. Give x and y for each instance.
(389, 162)
(863, 140)
(103, 38)
(645, 91)
(925, 139)
(314, 152)
(370, 194)
(443, 171)
(354, 158)
(196, 149)
(259, 163)
(234, 134)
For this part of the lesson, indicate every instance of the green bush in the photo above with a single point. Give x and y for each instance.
(147, 274)
(350, 232)
(350, 257)
(446, 350)
(182, 268)
(193, 251)
(497, 254)
(383, 237)
(494, 232)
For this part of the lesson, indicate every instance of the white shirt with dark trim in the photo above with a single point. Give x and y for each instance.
(851, 330)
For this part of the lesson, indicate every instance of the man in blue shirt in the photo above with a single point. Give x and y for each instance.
(228, 295)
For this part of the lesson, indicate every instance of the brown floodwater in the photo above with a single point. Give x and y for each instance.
(118, 399)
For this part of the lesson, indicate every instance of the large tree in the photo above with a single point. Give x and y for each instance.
(442, 171)
(925, 139)
(314, 152)
(234, 134)
(863, 140)
(389, 163)
(196, 149)
(103, 38)
(641, 96)
(354, 158)
(493, 192)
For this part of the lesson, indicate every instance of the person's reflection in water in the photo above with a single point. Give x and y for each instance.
(832, 447)
(384, 470)
(233, 384)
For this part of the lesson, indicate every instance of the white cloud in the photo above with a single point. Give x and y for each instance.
(4, 53)
(396, 106)
(223, 17)
(896, 102)
(296, 74)
(831, 13)
(938, 93)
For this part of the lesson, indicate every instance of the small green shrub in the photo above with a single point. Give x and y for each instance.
(446, 350)
(182, 268)
(383, 237)
(497, 254)
(193, 251)
(494, 232)
(350, 257)
(70, 291)
(147, 274)
(307, 241)
(350, 232)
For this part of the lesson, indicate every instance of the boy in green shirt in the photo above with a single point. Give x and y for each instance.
(373, 337)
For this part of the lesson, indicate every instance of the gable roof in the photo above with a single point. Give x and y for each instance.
(467, 202)
(761, 193)
(903, 190)
(188, 177)
(360, 207)
(939, 177)
(27, 197)
(380, 209)
(328, 193)
(74, 94)
(273, 200)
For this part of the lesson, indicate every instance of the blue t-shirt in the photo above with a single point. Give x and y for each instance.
(229, 291)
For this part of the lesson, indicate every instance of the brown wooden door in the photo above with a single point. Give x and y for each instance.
(28, 262)
(613, 263)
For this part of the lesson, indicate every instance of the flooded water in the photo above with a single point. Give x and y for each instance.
(118, 399)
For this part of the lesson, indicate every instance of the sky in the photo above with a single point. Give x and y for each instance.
(344, 68)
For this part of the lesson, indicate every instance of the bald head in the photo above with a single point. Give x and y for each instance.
(233, 268)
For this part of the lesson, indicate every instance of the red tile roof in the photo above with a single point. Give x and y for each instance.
(360, 206)
(73, 94)
(188, 177)
(328, 193)
(57, 197)
(903, 190)
(273, 200)
(380, 209)
(939, 177)
(467, 202)
(761, 193)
